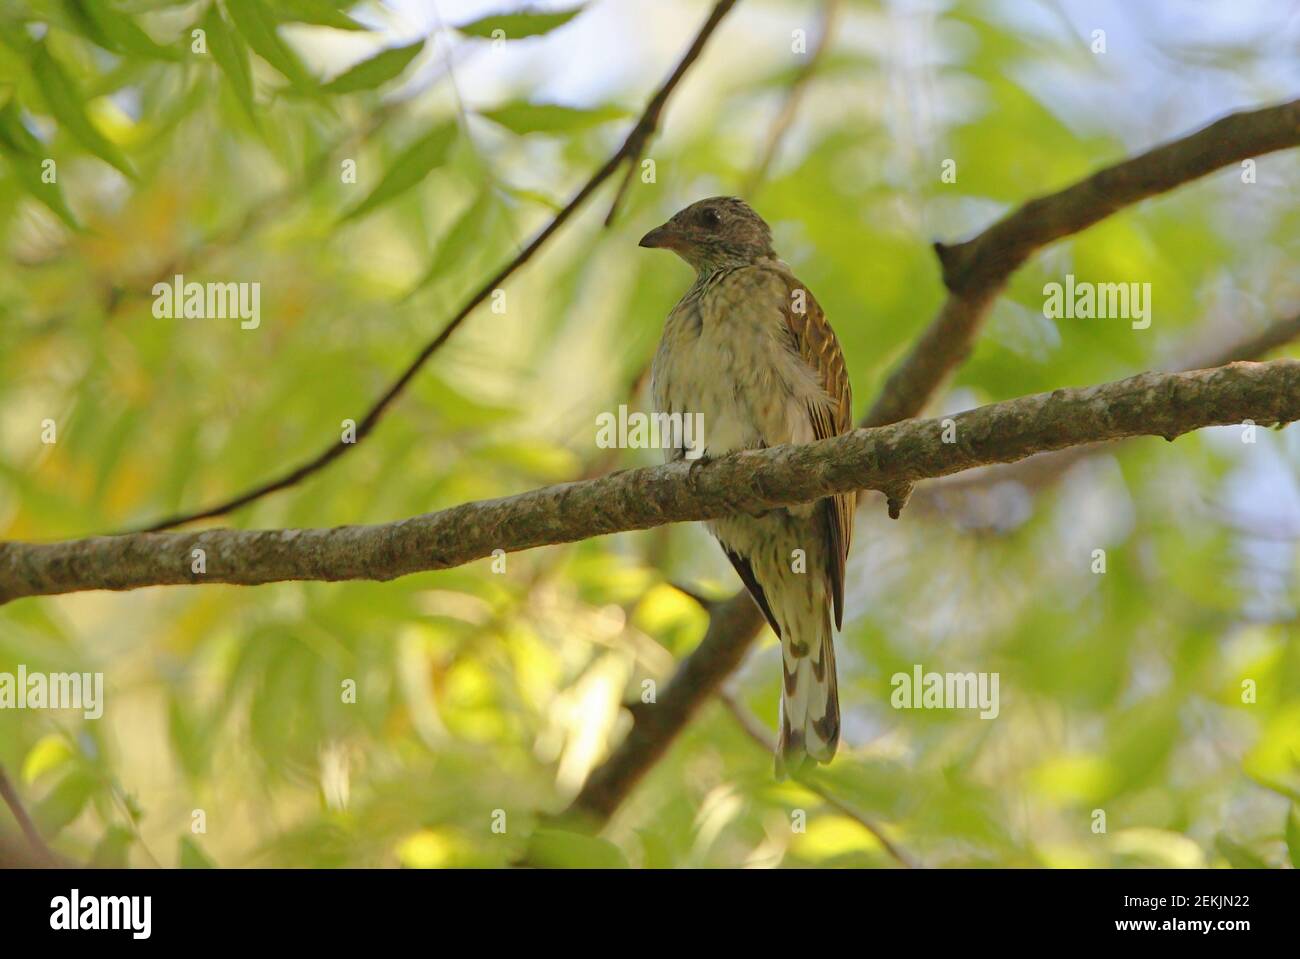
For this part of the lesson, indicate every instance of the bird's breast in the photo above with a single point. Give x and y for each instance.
(729, 362)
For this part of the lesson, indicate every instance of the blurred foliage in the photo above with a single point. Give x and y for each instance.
(435, 720)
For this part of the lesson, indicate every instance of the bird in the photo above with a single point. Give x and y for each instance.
(749, 349)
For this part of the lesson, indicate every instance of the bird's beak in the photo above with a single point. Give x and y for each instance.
(665, 237)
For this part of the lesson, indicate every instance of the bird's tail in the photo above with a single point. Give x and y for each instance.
(810, 704)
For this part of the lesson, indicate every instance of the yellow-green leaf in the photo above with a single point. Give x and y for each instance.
(410, 167)
(63, 803)
(1238, 856)
(321, 13)
(456, 242)
(193, 857)
(65, 102)
(27, 170)
(515, 26)
(376, 71)
(257, 25)
(111, 851)
(558, 849)
(14, 133)
(523, 117)
(116, 31)
(231, 54)
(50, 751)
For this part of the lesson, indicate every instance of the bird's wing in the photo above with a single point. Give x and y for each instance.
(815, 342)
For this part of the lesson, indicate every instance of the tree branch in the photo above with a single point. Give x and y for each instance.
(975, 271)
(628, 152)
(978, 269)
(999, 250)
(752, 481)
(1045, 468)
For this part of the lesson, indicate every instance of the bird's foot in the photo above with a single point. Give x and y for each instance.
(695, 465)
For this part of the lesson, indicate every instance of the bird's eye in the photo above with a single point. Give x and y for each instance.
(711, 218)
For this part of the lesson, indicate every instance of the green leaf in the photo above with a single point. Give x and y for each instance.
(523, 117)
(1282, 789)
(515, 26)
(15, 133)
(1293, 835)
(192, 857)
(27, 171)
(111, 851)
(115, 31)
(456, 242)
(321, 13)
(376, 71)
(189, 736)
(657, 853)
(410, 167)
(72, 15)
(65, 102)
(257, 25)
(1238, 856)
(558, 849)
(231, 54)
(63, 803)
(14, 37)
(554, 204)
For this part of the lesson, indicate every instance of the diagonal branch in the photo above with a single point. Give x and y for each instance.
(41, 854)
(753, 481)
(627, 153)
(793, 99)
(975, 272)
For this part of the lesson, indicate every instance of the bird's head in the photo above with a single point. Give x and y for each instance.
(721, 231)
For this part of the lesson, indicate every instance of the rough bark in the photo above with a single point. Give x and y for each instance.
(1160, 404)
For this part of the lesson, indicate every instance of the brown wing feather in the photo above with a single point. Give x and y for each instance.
(816, 343)
(746, 573)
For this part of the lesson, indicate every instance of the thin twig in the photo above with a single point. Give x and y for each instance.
(759, 734)
(632, 145)
(793, 99)
(15, 804)
(623, 184)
